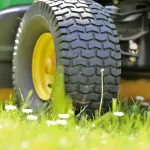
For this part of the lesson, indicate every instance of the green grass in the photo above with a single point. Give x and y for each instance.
(130, 131)
(108, 132)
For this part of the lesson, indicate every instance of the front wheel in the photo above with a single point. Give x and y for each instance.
(78, 35)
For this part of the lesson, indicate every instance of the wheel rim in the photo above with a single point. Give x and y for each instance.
(44, 66)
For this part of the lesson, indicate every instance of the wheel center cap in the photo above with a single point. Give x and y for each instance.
(48, 64)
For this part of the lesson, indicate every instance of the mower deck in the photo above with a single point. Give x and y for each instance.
(5, 94)
(128, 89)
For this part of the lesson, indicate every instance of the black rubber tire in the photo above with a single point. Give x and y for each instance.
(85, 40)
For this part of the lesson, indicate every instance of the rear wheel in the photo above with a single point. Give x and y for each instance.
(78, 35)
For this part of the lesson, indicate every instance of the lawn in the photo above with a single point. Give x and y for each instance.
(128, 129)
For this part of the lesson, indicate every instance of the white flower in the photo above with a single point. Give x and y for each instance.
(63, 142)
(139, 98)
(103, 141)
(61, 122)
(145, 104)
(1, 126)
(118, 114)
(10, 107)
(25, 144)
(27, 111)
(77, 127)
(131, 138)
(63, 116)
(32, 117)
(104, 135)
(93, 125)
(49, 122)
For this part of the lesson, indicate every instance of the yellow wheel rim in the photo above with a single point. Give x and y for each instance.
(44, 66)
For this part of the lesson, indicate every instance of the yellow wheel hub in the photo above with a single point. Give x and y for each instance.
(44, 66)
